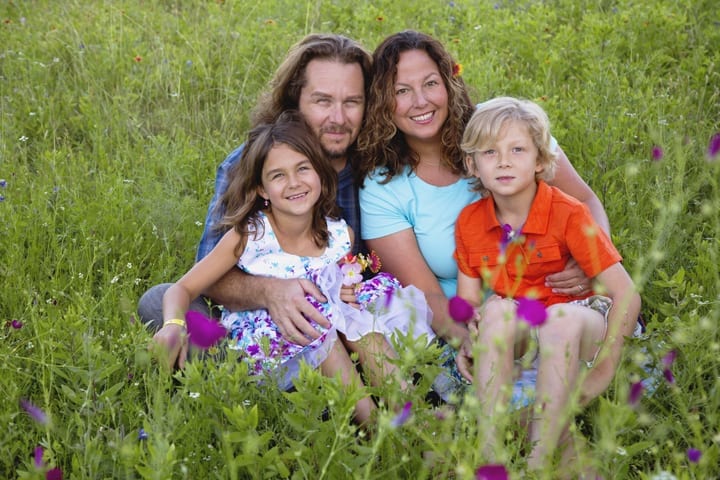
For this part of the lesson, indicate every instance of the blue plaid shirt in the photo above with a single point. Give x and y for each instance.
(347, 200)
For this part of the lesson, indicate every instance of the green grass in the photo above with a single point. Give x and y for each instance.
(113, 118)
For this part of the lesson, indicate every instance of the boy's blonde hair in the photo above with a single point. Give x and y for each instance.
(489, 119)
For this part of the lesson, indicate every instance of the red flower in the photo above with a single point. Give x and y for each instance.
(457, 70)
(138, 58)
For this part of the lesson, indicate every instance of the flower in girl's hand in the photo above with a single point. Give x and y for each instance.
(352, 273)
(352, 266)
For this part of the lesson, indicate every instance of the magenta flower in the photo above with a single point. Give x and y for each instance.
(714, 146)
(657, 153)
(667, 361)
(402, 417)
(53, 474)
(36, 413)
(636, 391)
(531, 311)
(460, 309)
(491, 472)
(203, 332)
(16, 324)
(694, 455)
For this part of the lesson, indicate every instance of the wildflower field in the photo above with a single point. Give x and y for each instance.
(113, 118)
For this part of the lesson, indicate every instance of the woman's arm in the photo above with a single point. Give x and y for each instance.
(572, 280)
(568, 180)
(622, 319)
(401, 257)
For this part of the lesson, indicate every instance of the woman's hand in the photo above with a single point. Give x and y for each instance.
(171, 340)
(571, 281)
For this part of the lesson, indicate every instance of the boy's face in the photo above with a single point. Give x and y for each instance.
(507, 165)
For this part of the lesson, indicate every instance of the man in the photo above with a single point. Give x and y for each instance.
(325, 78)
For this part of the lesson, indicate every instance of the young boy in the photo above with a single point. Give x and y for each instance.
(507, 242)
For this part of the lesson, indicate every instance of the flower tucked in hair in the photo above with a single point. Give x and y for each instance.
(457, 70)
(352, 266)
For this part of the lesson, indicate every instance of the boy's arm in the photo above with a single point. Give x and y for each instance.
(615, 283)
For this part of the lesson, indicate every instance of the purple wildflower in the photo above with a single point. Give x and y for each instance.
(657, 153)
(714, 146)
(531, 311)
(667, 361)
(203, 332)
(460, 309)
(669, 358)
(2, 198)
(507, 236)
(402, 417)
(636, 391)
(694, 455)
(38, 457)
(36, 413)
(3, 183)
(491, 472)
(16, 324)
(142, 434)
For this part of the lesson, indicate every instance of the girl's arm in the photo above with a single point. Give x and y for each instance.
(178, 297)
(401, 257)
(347, 293)
(622, 319)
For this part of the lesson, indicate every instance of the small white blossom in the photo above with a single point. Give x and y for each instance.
(194, 394)
(23, 138)
(115, 279)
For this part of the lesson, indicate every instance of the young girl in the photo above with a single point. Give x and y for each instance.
(284, 222)
(507, 243)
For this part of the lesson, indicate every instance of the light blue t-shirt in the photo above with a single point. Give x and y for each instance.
(407, 201)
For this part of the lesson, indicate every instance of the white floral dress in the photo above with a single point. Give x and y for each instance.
(386, 307)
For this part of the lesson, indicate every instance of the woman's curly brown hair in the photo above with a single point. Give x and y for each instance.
(380, 143)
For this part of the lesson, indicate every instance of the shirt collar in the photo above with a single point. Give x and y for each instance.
(538, 218)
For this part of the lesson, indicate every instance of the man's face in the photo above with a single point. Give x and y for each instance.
(333, 103)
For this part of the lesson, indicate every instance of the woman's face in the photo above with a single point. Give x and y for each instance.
(421, 99)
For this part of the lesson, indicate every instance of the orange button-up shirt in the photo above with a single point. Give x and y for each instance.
(558, 227)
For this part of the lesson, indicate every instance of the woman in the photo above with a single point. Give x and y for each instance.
(414, 185)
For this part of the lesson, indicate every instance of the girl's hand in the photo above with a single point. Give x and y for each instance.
(171, 340)
(571, 281)
(347, 295)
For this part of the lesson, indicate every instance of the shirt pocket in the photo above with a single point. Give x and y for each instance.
(543, 259)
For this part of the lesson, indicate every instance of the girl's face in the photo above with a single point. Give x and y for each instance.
(507, 166)
(421, 99)
(289, 182)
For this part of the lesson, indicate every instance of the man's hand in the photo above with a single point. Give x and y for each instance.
(171, 342)
(571, 281)
(287, 305)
